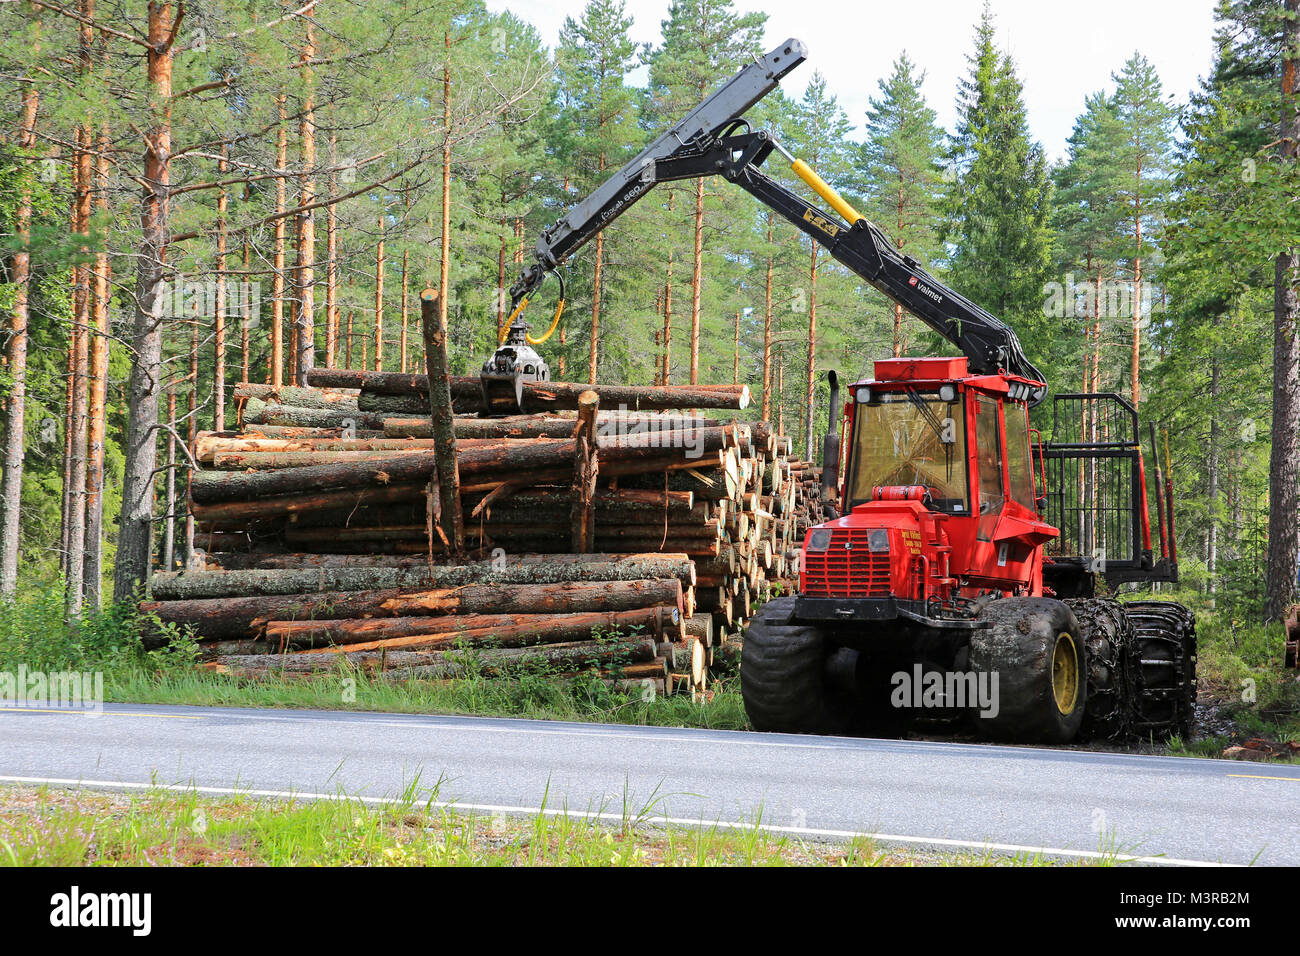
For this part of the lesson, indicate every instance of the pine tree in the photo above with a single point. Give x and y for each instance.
(1229, 230)
(1086, 218)
(593, 60)
(705, 41)
(820, 138)
(1145, 122)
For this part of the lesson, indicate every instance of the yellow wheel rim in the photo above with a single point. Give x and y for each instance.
(1065, 674)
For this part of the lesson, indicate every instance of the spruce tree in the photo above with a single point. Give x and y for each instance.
(902, 169)
(1000, 201)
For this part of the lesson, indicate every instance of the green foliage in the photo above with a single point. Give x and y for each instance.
(419, 827)
(35, 633)
(1001, 198)
(902, 162)
(531, 130)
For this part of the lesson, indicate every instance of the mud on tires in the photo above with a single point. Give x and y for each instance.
(1112, 668)
(782, 676)
(1035, 647)
(1166, 641)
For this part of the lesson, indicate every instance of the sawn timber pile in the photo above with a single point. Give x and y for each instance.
(623, 540)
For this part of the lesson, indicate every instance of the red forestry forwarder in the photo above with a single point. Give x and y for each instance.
(965, 551)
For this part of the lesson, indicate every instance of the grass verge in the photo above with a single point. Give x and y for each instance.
(1245, 691)
(69, 827)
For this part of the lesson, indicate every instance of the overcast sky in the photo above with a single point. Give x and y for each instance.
(1060, 59)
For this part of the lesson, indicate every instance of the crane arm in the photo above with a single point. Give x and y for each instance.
(714, 139)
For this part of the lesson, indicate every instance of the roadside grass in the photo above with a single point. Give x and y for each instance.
(1245, 691)
(34, 633)
(73, 827)
(535, 695)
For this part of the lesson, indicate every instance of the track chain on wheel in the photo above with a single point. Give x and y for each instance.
(1166, 644)
(1112, 668)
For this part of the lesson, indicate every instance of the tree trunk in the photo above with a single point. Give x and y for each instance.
(406, 263)
(697, 280)
(586, 466)
(191, 437)
(541, 396)
(305, 324)
(501, 284)
(1284, 464)
(595, 309)
(169, 515)
(1212, 477)
(810, 392)
(78, 420)
(444, 435)
(1136, 362)
(276, 371)
(246, 320)
(532, 460)
(219, 315)
(780, 392)
(331, 262)
(347, 346)
(141, 452)
(436, 664)
(98, 396)
(665, 377)
(767, 328)
(11, 481)
(379, 299)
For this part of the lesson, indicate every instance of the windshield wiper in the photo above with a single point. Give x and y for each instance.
(936, 425)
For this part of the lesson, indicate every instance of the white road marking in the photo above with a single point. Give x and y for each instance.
(490, 808)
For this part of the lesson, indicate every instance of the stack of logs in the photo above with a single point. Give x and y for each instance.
(318, 531)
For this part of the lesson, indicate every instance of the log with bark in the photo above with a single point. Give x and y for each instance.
(486, 661)
(466, 392)
(506, 630)
(227, 617)
(209, 584)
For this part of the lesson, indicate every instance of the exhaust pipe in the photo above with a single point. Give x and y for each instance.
(831, 443)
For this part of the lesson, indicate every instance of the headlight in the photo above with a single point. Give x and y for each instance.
(819, 540)
(878, 540)
(863, 395)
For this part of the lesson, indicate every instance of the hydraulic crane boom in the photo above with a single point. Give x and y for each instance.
(715, 139)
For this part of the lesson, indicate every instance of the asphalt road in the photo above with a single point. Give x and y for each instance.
(1175, 810)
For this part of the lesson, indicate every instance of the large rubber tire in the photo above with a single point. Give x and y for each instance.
(1166, 642)
(782, 676)
(1026, 639)
(1112, 668)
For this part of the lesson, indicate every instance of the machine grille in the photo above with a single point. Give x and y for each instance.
(847, 568)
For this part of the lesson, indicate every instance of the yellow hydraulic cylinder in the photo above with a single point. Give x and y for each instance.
(824, 189)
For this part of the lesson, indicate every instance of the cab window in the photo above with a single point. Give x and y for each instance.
(988, 464)
(915, 439)
(1019, 461)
